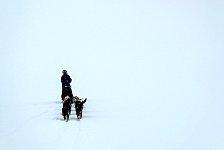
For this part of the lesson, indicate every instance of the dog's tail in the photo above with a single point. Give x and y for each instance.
(84, 100)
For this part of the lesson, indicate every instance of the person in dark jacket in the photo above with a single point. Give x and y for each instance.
(66, 87)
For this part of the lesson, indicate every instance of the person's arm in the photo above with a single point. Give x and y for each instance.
(69, 78)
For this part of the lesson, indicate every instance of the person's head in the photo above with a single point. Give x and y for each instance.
(64, 72)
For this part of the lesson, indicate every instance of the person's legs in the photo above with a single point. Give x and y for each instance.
(70, 92)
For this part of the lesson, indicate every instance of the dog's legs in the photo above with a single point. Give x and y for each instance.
(80, 114)
(69, 111)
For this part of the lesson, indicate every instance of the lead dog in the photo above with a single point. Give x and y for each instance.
(79, 106)
(66, 110)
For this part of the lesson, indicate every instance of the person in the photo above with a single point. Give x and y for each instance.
(66, 87)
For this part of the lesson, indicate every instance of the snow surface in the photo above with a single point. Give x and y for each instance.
(152, 72)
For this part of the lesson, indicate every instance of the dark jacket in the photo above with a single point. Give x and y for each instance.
(65, 80)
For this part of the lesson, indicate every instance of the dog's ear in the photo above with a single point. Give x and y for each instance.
(76, 98)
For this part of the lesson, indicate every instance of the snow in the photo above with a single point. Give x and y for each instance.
(151, 70)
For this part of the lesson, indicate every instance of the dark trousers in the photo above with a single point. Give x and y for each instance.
(66, 91)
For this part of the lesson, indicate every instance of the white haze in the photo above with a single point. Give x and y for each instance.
(152, 72)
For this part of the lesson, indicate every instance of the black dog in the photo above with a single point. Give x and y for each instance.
(79, 106)
(66, 110)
